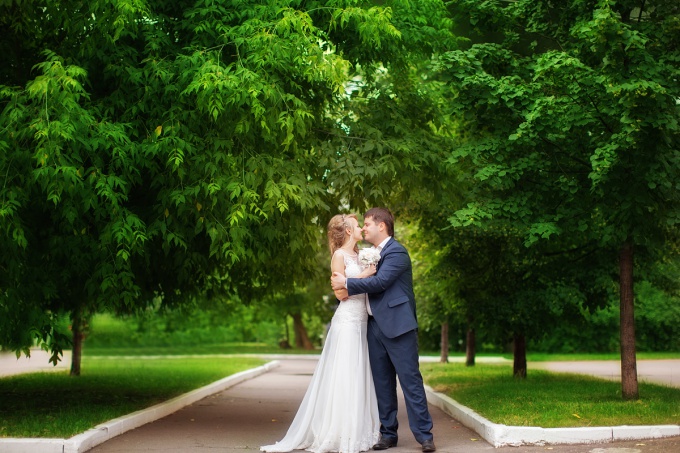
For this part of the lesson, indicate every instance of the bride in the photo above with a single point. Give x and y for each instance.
(339, 412)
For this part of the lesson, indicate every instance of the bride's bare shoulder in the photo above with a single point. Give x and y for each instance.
(338, 261)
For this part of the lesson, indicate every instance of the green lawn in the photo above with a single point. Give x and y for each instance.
(219, 348)
(57, 405)
(548, 399)
(262, 348)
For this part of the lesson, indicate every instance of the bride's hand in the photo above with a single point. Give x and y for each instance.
(370, 270)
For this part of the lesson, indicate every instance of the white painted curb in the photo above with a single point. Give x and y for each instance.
(503, 435)
(108, 430)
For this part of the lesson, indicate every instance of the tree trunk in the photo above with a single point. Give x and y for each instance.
(470, 347)
(519, 366)
(285, 343)
(629, 381)
(77, 327)
(444, 343)
(301, 337)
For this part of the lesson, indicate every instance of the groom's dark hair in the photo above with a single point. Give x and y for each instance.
(382, 215)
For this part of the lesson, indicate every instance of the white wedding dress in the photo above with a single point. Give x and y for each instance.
(339, 412)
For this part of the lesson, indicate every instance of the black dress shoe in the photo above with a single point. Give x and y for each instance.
(384, 443)
(428, 445)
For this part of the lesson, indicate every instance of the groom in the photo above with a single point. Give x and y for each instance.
(392, 332)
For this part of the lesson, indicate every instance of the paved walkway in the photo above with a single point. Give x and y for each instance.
(39, 361)
(666, 372)
(258, 412)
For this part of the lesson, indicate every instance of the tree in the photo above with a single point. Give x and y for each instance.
(485, 279)
(572, 118)
(162, 149)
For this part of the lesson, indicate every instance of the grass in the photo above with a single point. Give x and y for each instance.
(57, 405)
(262, 348)
(223, 348)
(550, 400)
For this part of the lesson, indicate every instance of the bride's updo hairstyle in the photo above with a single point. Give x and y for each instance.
(336, 231)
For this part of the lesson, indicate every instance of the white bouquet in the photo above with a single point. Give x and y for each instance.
(369, 256)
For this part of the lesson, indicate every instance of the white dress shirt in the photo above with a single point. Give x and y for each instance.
(383, 243)
(379, 248)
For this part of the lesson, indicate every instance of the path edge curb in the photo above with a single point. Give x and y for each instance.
(103, 432)
(515, 436)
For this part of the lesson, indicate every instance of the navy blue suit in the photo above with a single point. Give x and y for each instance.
(393, 341)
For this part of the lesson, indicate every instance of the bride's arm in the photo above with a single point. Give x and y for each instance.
(338, 265)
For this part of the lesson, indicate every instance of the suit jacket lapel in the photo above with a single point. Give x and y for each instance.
(386, 246)
(383, 251)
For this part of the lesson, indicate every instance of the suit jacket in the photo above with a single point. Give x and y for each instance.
(390, 291)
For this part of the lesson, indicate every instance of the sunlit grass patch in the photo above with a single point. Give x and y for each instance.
(550, 399)
(57, 405)
(217, 348)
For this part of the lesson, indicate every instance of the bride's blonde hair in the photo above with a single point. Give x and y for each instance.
(336, 231)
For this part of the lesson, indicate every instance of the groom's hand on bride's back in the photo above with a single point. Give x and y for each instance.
(338, 281)
(338, 285)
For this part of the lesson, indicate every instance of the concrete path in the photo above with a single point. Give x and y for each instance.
(666, 372)
(39, 361)
(259, 411)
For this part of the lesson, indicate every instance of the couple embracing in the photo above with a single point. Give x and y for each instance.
(351, 402)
